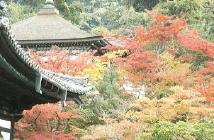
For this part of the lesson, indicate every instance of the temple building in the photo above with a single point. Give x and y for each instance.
(24, 84)
(48, 29)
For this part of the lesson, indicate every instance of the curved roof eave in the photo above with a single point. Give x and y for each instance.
(72, 40)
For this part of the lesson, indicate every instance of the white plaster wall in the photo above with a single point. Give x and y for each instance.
(5, 124)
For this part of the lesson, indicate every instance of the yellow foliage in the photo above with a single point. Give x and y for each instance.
(124, 130)
(180, 93)
(98, 67)
(96, 71)
(172, 70)
(184, 104)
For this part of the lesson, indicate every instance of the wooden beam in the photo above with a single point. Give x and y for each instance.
(5, 129)
(12, 129)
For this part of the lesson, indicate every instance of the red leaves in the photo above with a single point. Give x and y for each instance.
(141, 65)
(60, 61)
(51, 136)
(197, 44)
(167, 31)
(209, 69)
(192, 42)
(111, 48)
(45, 112)
(45, 122)
(157, 18)
(164, 28)
(186, 58)
(205, 86)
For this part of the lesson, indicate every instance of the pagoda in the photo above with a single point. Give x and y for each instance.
(48, 29)
(24, 84)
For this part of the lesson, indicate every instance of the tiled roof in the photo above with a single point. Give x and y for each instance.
(20, 66)
(48, 25)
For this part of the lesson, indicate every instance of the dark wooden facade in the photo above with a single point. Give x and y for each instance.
(73, 46)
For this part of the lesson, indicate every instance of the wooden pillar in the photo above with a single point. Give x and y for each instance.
(12, 132)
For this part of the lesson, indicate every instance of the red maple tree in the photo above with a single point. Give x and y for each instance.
(194, 43)
(47, 121)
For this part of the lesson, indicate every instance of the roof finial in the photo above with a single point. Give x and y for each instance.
(49, 2)
(49, 8)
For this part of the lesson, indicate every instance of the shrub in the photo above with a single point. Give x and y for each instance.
(107, 102)
(47, 121)
(204, 130)
(165, 130)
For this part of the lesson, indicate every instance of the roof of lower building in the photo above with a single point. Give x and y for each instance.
(48, 25)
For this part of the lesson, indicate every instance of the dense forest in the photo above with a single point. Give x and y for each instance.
(155, 82)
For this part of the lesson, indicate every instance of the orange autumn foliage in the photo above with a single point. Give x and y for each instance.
(60, 61)
(194, 43)
(205, 81)
(205, 86)
(142, 65)
(163, 29)
(46, 121)
(209, 69)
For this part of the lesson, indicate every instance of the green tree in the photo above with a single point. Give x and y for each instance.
(198, 13)
(108, 102)
(180, 8)
(21, 9)
(141, 5)
(204, 24)
(18, 12)
(113, 15)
